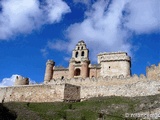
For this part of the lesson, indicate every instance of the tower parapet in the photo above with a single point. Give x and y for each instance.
(114, 64)
(113, 56)
(49, 71)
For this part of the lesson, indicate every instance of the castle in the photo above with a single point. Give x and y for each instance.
(82, 80)
(109, 64)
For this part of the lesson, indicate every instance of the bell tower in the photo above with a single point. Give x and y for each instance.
(78, 66)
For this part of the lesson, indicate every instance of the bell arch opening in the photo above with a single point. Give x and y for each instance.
(76, 55)
(82, 54)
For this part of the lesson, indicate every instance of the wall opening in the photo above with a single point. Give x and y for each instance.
(82, 54)
(77, 72)
(82, 48)
(76, 55)
(62, 77)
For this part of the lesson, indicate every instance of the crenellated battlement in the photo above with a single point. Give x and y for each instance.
(153, 72)
(101, 81)
(113, 56)
(153, 67)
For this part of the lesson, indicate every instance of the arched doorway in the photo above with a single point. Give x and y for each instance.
(77, 72)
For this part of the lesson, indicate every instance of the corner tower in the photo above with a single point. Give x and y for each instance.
(114, 64)
(49, 71)
(78, 66)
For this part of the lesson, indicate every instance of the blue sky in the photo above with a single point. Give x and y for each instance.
(32, 31)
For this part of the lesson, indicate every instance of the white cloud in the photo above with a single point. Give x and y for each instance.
(143, 16)
(106, 28)
(101, 29)
(10, 81)
(55, 9)
(86, 2)
(59, 45)
(23, 16)
(44, 52)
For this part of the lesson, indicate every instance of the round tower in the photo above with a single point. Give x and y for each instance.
(85, 70)
(49, 71)
(71, 69)
(21, 81)
(79, 62)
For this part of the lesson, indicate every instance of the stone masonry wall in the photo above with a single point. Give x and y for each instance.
(56, 90)
(100, 81)
(83, 89)
(131, 86)
(118, 86)
(33, 93)
(115, 68)
(94, 72)
(114, 64)
(139, 88)
(59, 74)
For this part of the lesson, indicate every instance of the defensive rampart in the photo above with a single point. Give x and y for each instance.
(33, 93)
(100, 81)
(139, 88)
(88, 88)
(81, 89)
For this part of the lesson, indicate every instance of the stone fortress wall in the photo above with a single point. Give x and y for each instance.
(121, 85)
(111, 80)
(32, 93)
(60, 72)
(82, 89)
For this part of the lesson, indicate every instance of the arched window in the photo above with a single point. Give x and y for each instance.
(76, 55)
(62, 77)
(82, 54)
(82, 48)
(77, 72)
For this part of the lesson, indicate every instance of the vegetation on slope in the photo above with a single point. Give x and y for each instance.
(108, 108)
(6, 114)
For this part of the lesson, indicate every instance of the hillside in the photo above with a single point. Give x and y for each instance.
(113, 107)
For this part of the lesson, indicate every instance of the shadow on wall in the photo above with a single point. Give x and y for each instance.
(6, 114)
